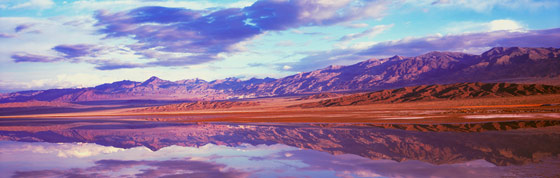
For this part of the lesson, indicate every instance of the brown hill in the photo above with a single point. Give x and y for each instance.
(199, 105)
(320, 96)
(36, 103)
(438, 92)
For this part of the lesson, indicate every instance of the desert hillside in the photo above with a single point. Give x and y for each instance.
(438, 92)
(199, 105)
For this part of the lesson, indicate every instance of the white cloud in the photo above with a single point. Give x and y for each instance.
(35, 4)
(495, 25)
(74, 80)
(372, 32)
(362, 45)
(486, 5)
(285, 43)
(357, 25)
(90, 5)
(69, 150)
(504, 24)
(47, 33)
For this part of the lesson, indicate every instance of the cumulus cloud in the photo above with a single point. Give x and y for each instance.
(167, 36)
(87, 53)
(78, 50)
(494, 25)
(201, 36)
(504, 24)
(66, 52)
(168, 168)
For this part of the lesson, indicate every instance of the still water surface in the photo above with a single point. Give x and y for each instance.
(127, 148)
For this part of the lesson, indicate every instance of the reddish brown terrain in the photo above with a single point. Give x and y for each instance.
(430, 104)
(320, 96)
(34, 103)
(198, 105)
(470, 127)
(438, 92)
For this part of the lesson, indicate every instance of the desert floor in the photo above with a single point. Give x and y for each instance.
(542, 107)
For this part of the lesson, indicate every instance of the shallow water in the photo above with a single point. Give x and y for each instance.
(113, 148)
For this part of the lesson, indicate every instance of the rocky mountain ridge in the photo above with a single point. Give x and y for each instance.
(198, 105)
(496, 65)
(437, 92)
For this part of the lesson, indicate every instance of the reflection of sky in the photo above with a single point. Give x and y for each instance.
(72, 159)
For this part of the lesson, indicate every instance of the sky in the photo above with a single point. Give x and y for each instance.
(70, 44)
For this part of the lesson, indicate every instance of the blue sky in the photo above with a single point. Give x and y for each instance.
(61, 44)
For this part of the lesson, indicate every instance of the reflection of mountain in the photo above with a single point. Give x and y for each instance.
(198, 105)
(499, 147)
(535, 65)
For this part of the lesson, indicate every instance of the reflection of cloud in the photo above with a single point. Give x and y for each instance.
(65, 150)
(352, 165)
(175, 168)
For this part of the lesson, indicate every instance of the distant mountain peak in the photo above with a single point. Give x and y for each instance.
(503, 50)
(153, 78)
(334, 67)
(153, 81)
(397, 57)
(440, 54)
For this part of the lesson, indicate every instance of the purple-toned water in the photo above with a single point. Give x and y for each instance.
(126, 148)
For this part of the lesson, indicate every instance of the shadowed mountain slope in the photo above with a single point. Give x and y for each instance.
(438, 92)
(199, 105)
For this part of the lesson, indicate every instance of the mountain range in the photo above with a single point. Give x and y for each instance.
(499, 64)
